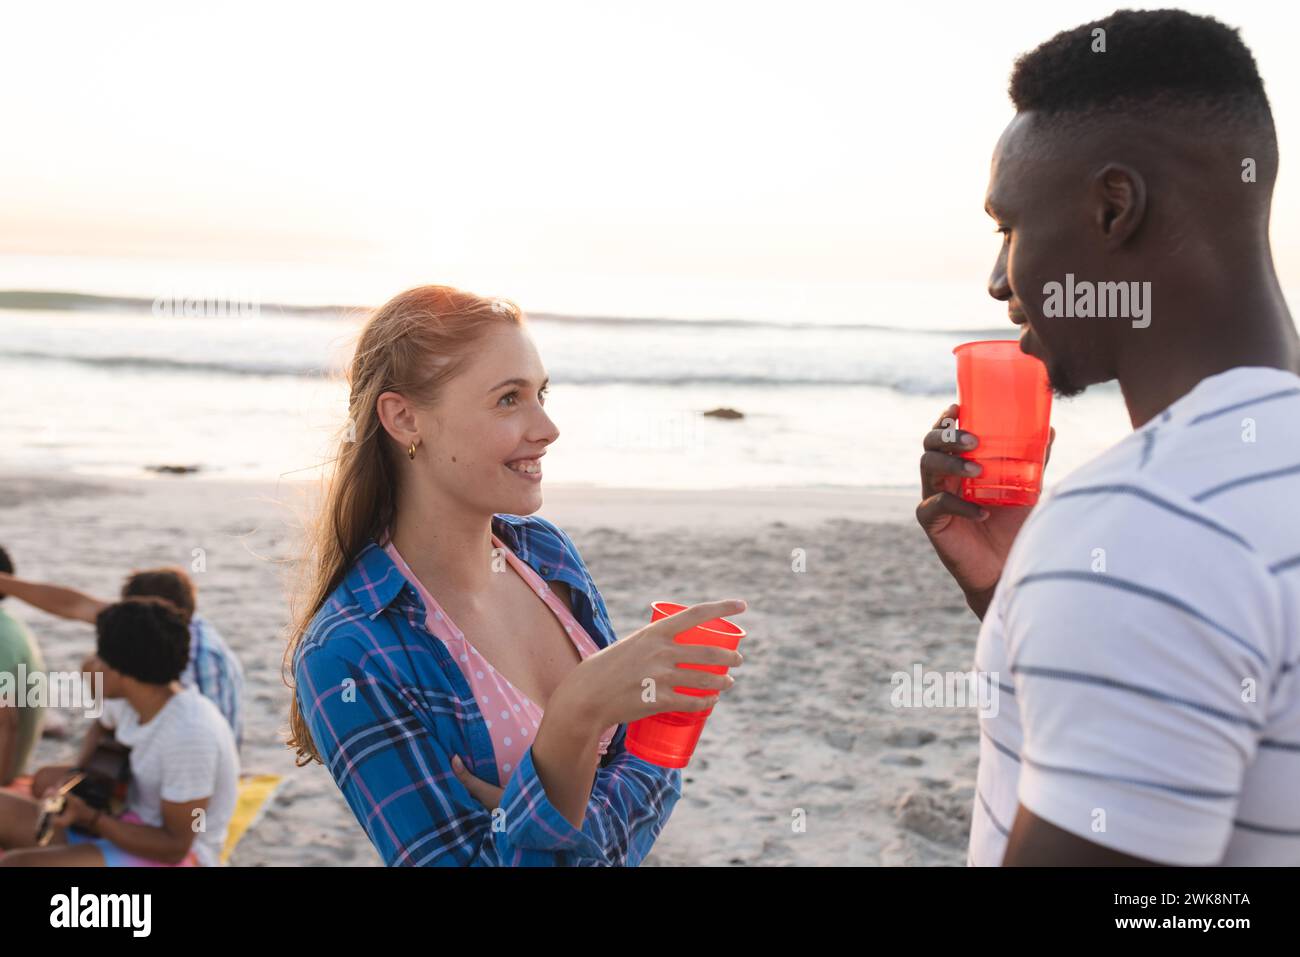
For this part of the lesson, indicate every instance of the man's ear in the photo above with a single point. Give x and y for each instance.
(1119, 195)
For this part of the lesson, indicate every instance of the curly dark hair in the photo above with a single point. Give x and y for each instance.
(145, 638)
(1154, 60)
(171, 583)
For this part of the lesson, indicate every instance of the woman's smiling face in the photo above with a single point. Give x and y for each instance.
(482, 441)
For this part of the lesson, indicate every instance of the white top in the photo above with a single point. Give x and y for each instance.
(1145, 637)
(186, 752)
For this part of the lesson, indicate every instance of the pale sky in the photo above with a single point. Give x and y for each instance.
(801, 142)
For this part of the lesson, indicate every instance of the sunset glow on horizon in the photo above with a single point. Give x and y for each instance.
(678, 143)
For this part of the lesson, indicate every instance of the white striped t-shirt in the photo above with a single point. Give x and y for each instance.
(1145, 636)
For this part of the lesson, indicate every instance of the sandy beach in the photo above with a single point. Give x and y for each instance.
(807, 734)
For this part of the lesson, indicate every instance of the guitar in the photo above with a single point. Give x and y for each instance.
(100, 782)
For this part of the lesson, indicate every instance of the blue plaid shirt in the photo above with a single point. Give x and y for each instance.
(387, 707)
(215, 672)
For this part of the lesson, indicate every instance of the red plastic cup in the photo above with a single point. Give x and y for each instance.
(668, 739)
(1005, 400)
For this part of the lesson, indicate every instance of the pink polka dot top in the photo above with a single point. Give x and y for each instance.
(512, 717)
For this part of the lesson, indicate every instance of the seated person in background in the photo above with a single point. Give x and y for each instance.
(20, 727)
(213, 668)
(184, 767)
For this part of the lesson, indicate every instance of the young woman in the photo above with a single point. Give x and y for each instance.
(453, 662)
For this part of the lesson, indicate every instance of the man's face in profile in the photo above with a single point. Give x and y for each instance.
(1038, 198)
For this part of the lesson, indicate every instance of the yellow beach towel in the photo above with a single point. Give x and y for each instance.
(255, 792)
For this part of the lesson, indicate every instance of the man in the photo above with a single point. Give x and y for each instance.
(20, 726)
(1144, 627)
(184, 768)
(213, 668)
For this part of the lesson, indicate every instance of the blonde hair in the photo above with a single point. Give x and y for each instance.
(412, 344)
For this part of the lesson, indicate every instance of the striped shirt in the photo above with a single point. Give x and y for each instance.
(1144, 640)
(215, 672)
(387, 707)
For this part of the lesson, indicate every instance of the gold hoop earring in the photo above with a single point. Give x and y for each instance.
(411, 451)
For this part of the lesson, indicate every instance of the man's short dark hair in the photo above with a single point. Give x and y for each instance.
(145, 638)
(171, 583)
(6, 566)
(1155, 60)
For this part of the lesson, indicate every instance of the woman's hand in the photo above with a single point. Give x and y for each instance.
(971, 541)
(608, 688)
(635, 676)
(489, 795)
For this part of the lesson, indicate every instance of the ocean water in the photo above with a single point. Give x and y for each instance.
(829, 399)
